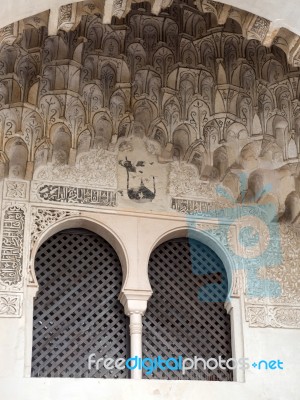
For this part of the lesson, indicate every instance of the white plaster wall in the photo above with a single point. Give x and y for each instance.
(261, 385)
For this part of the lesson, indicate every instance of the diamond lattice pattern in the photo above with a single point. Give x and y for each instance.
(186, 315)
(77, 311)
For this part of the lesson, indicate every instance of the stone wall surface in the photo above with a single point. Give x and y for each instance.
(142, 130)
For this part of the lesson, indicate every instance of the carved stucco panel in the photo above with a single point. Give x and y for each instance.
(277, 302)
(15, 190)
(12, 248)
(11, 305)
(264, 316)
(43, 218)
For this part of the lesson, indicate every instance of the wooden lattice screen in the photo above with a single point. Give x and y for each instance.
(177, 322)
(76, 311)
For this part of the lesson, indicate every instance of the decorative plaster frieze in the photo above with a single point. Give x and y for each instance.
(43, 218)
(264, 316)
(96, 169)
(258, 28)
(11, 264)
(190, 206)
(76, 195)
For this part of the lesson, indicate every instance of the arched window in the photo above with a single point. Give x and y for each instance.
(186, 315)
(77, 311)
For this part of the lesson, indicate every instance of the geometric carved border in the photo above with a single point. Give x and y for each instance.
(263, 316)
(11, 263)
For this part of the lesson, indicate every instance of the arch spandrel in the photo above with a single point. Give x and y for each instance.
(59, 221)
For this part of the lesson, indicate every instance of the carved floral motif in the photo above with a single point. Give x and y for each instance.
(10, 305)
(44, 218)
(16, 190)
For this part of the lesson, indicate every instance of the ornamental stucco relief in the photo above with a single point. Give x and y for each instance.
(11, 305)
(11, 265)
(173, 114)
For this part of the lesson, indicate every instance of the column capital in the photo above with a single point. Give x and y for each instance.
(228, 306)
(135, 301)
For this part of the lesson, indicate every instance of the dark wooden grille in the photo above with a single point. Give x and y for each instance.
(185, 315)
(76, 311)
